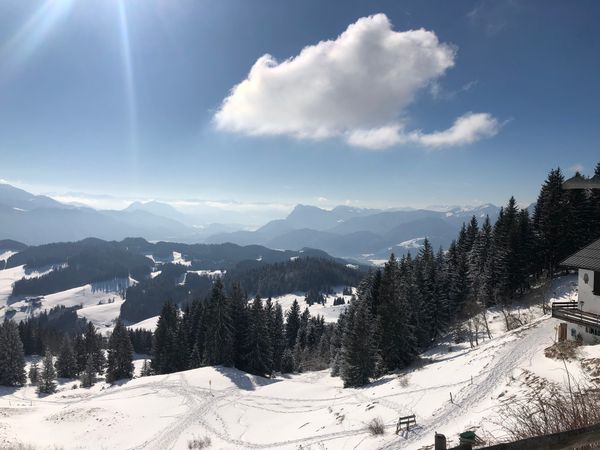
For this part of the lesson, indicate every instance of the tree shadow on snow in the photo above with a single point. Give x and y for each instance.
(243, 380)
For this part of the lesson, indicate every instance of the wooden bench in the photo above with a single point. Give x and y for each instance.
(406, 420)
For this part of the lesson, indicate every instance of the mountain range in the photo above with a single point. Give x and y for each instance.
(361, 233)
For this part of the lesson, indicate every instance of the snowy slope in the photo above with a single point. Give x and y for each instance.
(328, 311)
(312, 410)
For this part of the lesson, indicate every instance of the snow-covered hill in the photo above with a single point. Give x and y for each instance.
(310, 410)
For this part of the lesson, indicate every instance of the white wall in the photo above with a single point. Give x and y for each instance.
(591, 302)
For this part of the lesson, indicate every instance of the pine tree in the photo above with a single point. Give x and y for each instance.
(146, 369)
(165, 348)
(259, 358)
(358, 348)
(278, 337)
(88, 375)
(219, 333)
(47, 383)
(292, 324)
(93, 347)
(34, 374)
(80, 353)
(287, 361)
(66, 362)
(12, 358)
(120, 354)
(551, 221)
(239, 322)
(395, 332)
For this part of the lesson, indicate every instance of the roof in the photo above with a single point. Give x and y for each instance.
(586, 258)
(579, 182)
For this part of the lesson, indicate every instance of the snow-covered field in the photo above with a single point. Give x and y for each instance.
(100, 302)
(328, 311)
(308, 411)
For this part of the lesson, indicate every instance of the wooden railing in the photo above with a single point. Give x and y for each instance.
(570, 312)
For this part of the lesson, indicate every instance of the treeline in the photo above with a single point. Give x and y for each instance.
(46, 331)
(86, 263)
(146, 298)
(403, 308)
(301, 274)
(231, 331)
(80, 356)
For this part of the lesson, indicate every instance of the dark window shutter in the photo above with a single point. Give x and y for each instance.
(596, 283)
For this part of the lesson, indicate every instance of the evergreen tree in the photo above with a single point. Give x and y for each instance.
(278, 337)
(165, 349)
(239, 322)
(259, 358)
(12, 358)
(88, 375)
(93, 347)
(287, 361)
(358, 347)
(120, 354)
(292, 324)
(551, 221)
(47, 381)
(80, 353)
(34, 373)
(146, 369)
(395, 332)
(219, 333)
(66, 362)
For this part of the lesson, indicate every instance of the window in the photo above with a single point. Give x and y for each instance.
(596, 283)
(592, 330)
(573, 332)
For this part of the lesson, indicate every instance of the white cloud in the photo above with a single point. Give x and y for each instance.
(465, 130)
(356, 87)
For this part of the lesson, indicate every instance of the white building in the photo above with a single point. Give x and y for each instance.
(582, 318)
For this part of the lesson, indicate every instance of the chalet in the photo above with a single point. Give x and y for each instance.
(582, 318)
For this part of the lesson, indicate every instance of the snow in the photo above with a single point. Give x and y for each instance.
(178, 259)
(100, 302)
(328, 311)
(293, 258)
(209, 273)
(6, 254)
(147, 324)
(352, 266)
(309, 410)
(412, 243)
(378, 262)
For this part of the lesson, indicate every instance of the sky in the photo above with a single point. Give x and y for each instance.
(265, 104)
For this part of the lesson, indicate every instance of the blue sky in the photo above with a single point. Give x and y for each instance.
(124, 99)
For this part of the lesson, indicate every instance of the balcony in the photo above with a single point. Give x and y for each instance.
(569, 312)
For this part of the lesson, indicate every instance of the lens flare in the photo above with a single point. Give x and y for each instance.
(31, 35)
(129, 82)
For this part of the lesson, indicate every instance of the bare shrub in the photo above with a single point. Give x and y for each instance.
(376, 427)
(199, 443)
(562, 350)
(548, 408)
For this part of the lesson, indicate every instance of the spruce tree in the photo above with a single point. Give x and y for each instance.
(165, 354)
(66, 362)
(93, 347)
(292, 324)
(260, 353)
(219, 332)
(146, 369)
(358, 346)
(12, 358)
(120, 354)
(47, 378)
(88, 375)
(278, 337)
(239, 322)
(34, 373)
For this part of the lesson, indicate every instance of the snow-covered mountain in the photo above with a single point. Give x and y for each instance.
(365, 234)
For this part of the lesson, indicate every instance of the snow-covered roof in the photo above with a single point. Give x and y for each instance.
(586, 258)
